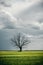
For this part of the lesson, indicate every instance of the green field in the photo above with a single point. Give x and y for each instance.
(21, 58)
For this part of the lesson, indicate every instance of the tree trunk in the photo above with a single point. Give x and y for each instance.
(20, 49)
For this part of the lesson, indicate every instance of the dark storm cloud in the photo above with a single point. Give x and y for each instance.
(6, 35)
(5, 39)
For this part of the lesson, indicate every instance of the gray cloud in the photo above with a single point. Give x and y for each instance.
(40, 20)
(33, 16)
(36, 10)
(8, 3)
(28, 21)
(6, 21)
(32, 27)
(32, 31)
(5, 3)
(5, 40)
(35, 28)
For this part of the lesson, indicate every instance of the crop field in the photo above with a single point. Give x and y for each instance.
(21, 58)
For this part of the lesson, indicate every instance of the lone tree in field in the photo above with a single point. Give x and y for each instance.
(20, 40)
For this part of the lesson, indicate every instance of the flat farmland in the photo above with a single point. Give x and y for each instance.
(21, 58)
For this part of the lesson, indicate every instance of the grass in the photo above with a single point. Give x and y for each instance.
(21, 58)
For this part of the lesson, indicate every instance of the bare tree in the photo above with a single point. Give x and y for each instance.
(20, 40)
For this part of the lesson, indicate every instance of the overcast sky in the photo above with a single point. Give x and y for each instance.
(24, 16)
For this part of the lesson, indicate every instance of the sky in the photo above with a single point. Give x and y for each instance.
(25, 16)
